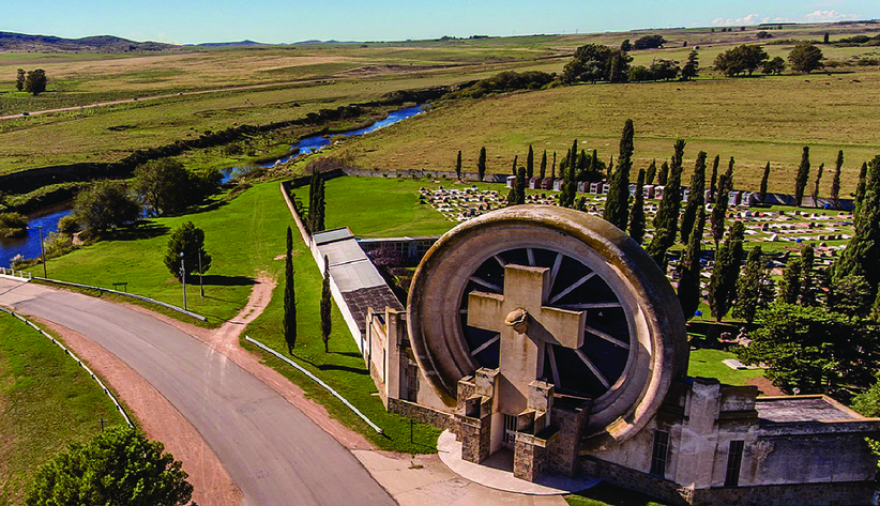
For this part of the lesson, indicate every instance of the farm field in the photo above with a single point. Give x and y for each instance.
(46, 402)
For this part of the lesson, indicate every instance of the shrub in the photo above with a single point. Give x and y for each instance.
(13, 225)
(105, 206)
(68, 225)
(189, 241)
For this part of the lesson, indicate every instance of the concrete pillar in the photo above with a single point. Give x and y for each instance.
(699, 435)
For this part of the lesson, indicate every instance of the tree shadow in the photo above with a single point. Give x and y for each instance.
(217, 280)
(347, 354)
(333, 367)
(213, 206)
(145, 231)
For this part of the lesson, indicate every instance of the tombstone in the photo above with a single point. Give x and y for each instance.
(632, 190)
(511, 180)
(595, 188)
(659, 191)
(735, 198)
(581, 187)
(606, 187)
(546, 183)
(648, 192)
(557, 185)
(535, 183)
(685, 194)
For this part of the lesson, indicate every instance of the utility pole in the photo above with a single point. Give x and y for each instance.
(42, 250)
(201, 286)
(183, 278)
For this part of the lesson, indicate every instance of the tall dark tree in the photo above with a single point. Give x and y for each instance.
(691, 68)
(861, 254)
(520, 186)
(458, 166)
(326, 322)
(728, 259)
(696, 197)
(714, 179)
(753, 288)
(729, 173)
(860, 190)
(689, 289)
(289, 324)
(616, 206)
(105, 206)
(530, 163)
(805, 58)
(637, 216)
(610, 169)
(553, 168)
(809, 288)
(186, 245)
(803, 175)
(320, 208)
(815, 194)
(835, 181)
(481, 164)
(719, 212)
(315, 204)
(663, 175)
(765, 181)
(515, 159)
(652, 172)
(20, 79)
(35, 82)
(543, 172)
(666, 220)
(790, 286)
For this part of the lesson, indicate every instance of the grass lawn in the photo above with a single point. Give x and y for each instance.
(708, 364)
(243, 236)
(604, 494)
(46, 402)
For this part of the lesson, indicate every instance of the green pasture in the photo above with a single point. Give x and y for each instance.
(46, 402)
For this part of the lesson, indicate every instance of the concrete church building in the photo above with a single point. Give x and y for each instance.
(550, 335)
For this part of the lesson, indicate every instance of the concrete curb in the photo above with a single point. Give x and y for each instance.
(80, 362)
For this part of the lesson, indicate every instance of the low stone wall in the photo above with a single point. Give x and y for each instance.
(817, 494)
(422, 414)
(427, 174)
(629, 479)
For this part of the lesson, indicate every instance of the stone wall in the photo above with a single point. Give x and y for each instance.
(530, 458)
(817, 494)
(422, 414)
(475, 437)
(629, 479)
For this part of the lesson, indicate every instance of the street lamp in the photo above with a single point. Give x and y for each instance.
(183, 278)
(42, 249)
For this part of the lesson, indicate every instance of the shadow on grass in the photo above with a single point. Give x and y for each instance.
(348, 354)
(217, 280)
(213, 206)
(145, 231)
(333, 367)
(607, 494)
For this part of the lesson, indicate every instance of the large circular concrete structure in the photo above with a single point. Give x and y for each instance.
(634, 342)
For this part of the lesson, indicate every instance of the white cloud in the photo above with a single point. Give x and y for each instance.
(751, 19)
(820, 16)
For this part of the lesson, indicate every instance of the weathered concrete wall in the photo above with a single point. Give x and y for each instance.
(821, 494)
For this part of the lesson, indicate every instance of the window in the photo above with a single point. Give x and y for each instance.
(734, 463)
(660, 453)
(412, 382)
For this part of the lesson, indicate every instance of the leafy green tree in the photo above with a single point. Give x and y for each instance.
(20, 79)
(289, 322)
(616, 206)
(481, 164)
(652, 172)
(637, 216)
(105, 206)
(725, 272)
(835, 181)
(663, 175)
(861, 254)
(815, 193)
(714, 180)
(719, 212)
(813, 349)
(640, 73)
(689, 289)
(649, 42)
(530, 163)
(776, 66)
(790, 286)
(35, 82)
(326, 305)
(543, 172)
(163, 186)
(805, 58)
(765, 181)
(458, 166)
(740, 60)
(754, 288)
(809, 286)
(850, 295)
(520, 186)
(696, 198)
(118, 467)
(691, 69)
(803, 175)
(867, 404)
(626, 46)
(596, 62)
(664, 70)
(186, 245)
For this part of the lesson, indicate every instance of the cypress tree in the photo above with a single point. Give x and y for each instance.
(616, 211)
(515, 159)
(458, 166)
(481, 164)
(689, 290)
(320, 204)
(750, 287)
(637, 216)
(808, 285)
(803, 174)
(790, 286)
(609, 169)
(835, 181)
(553, 168)
(719, 212)
(652, 172)
(289, 324)
(520, 187)
(594, 173)
(666, 220)
(860, 191)
(728, 259)
(816, 184)
(314, 183)
(696, 199)
(861, 254)
(714, 180)
(583, 164)
(765, 180)
(543, 173)
(663, 175)
(729, 174)
(530, 163)
(326, 323)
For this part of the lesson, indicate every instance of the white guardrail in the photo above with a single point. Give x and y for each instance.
(318, 381)
(125, 294)
(12, 274)
(80, 362)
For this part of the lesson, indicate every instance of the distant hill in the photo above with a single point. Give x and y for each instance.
(21, 42)
(243, 43)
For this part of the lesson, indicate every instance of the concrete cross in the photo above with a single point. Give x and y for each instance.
(524, 337)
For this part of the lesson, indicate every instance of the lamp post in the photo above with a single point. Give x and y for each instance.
(183, 278)
(201, 286)
(42, 249)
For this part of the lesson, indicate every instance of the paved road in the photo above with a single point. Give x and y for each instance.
(274, 453)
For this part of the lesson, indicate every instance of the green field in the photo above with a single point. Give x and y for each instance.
(46, 402)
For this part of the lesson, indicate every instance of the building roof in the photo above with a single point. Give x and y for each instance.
(802, 409)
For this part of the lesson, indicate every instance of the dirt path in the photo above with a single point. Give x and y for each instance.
(159, 420)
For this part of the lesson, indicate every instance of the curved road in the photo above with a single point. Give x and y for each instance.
(273, 452)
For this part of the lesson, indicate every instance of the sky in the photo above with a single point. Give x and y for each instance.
(282, 21)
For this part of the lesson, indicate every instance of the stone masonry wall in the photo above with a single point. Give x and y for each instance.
(816, 494)
(422, 414)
